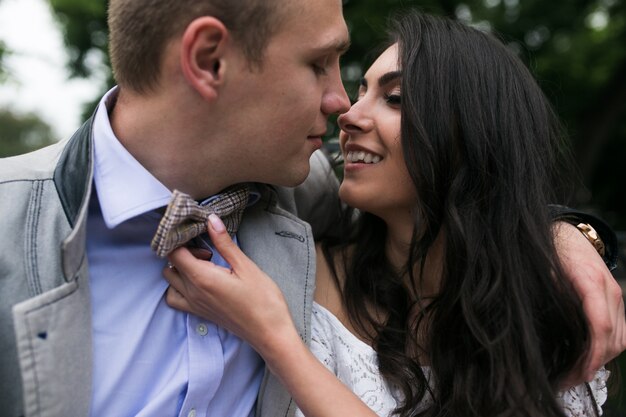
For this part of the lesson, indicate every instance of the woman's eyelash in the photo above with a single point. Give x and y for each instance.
(393, 98)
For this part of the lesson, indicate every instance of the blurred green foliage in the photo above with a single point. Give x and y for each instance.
(22, 133)
(2, 53)
(84, 30)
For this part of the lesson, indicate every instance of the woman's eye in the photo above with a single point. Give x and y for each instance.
(395, 99)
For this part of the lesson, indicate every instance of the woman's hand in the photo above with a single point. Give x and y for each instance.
(602, 300)
(243, 299)
(247, 302)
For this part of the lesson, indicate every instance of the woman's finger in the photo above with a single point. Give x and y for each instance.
(176, 299)
(225, 245)
(201, 253)
(189, 266)
(172, 276)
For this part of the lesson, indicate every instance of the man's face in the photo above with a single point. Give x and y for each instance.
(284, 105)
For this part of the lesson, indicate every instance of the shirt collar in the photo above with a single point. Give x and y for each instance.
(114, 165)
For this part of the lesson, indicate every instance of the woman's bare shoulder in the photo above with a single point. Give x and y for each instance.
(328, 291)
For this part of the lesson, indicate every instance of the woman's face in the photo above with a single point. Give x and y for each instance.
(376, 179)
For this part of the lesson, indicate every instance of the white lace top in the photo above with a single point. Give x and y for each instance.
(355, 363)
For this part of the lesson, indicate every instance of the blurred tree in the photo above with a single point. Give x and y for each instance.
(2, 54)
(22, 133)
(84, 28)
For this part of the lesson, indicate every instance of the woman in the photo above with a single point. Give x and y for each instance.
(447, 297)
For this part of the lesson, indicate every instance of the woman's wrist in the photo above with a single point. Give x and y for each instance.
(279, 345)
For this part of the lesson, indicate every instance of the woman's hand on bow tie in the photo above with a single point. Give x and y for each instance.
(242, 299)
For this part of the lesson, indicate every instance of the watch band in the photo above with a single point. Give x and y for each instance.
(603, 230)
(592, 236)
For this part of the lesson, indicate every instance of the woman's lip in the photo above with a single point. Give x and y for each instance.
(349, 167)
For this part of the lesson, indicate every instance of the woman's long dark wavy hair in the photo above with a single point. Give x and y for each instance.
(486, 155)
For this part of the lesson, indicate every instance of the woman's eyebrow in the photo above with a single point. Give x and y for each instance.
(388, 77)
(383, 79)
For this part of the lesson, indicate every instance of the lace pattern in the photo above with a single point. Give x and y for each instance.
(355, 363)
(577, 402)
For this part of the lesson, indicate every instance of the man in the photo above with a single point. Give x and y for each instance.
(211, 94)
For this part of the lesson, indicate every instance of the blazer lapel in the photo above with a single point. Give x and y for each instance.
(282, 246)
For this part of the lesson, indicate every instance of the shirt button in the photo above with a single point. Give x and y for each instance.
(202, 330)
(192, 413)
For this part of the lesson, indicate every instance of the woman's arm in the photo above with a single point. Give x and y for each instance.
(248, 303)
(602, 300)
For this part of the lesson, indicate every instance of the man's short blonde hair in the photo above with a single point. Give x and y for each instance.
(139, 31)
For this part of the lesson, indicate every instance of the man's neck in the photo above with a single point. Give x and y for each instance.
(160, 137)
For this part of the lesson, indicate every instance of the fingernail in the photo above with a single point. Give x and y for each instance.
(216, 223)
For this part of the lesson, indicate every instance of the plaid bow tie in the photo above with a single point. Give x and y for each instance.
(185, 219)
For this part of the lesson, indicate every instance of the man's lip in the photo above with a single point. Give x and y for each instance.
(316, 141)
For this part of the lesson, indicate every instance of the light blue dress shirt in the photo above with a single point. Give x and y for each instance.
(150, 360)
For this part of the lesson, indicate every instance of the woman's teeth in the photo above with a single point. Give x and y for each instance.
(361, 156)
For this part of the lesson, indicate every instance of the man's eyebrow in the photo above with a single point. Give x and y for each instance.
(339, 46)
(389, 77)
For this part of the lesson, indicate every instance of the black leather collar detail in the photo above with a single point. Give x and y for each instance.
(71, 175)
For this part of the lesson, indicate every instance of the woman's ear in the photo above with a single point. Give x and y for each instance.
(202, 55)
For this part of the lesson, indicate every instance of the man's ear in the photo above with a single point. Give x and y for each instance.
(202, 55)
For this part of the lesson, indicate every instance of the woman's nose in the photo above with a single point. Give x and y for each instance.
(356, 120)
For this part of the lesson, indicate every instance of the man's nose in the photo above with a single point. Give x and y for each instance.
(335, 99)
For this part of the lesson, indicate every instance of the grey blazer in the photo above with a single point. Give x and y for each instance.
(45, 313)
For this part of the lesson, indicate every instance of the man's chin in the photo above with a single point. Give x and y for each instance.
(294, 177)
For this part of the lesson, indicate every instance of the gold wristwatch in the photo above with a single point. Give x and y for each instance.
(592, 236)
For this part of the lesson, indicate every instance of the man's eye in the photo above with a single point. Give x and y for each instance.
(319, 69)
